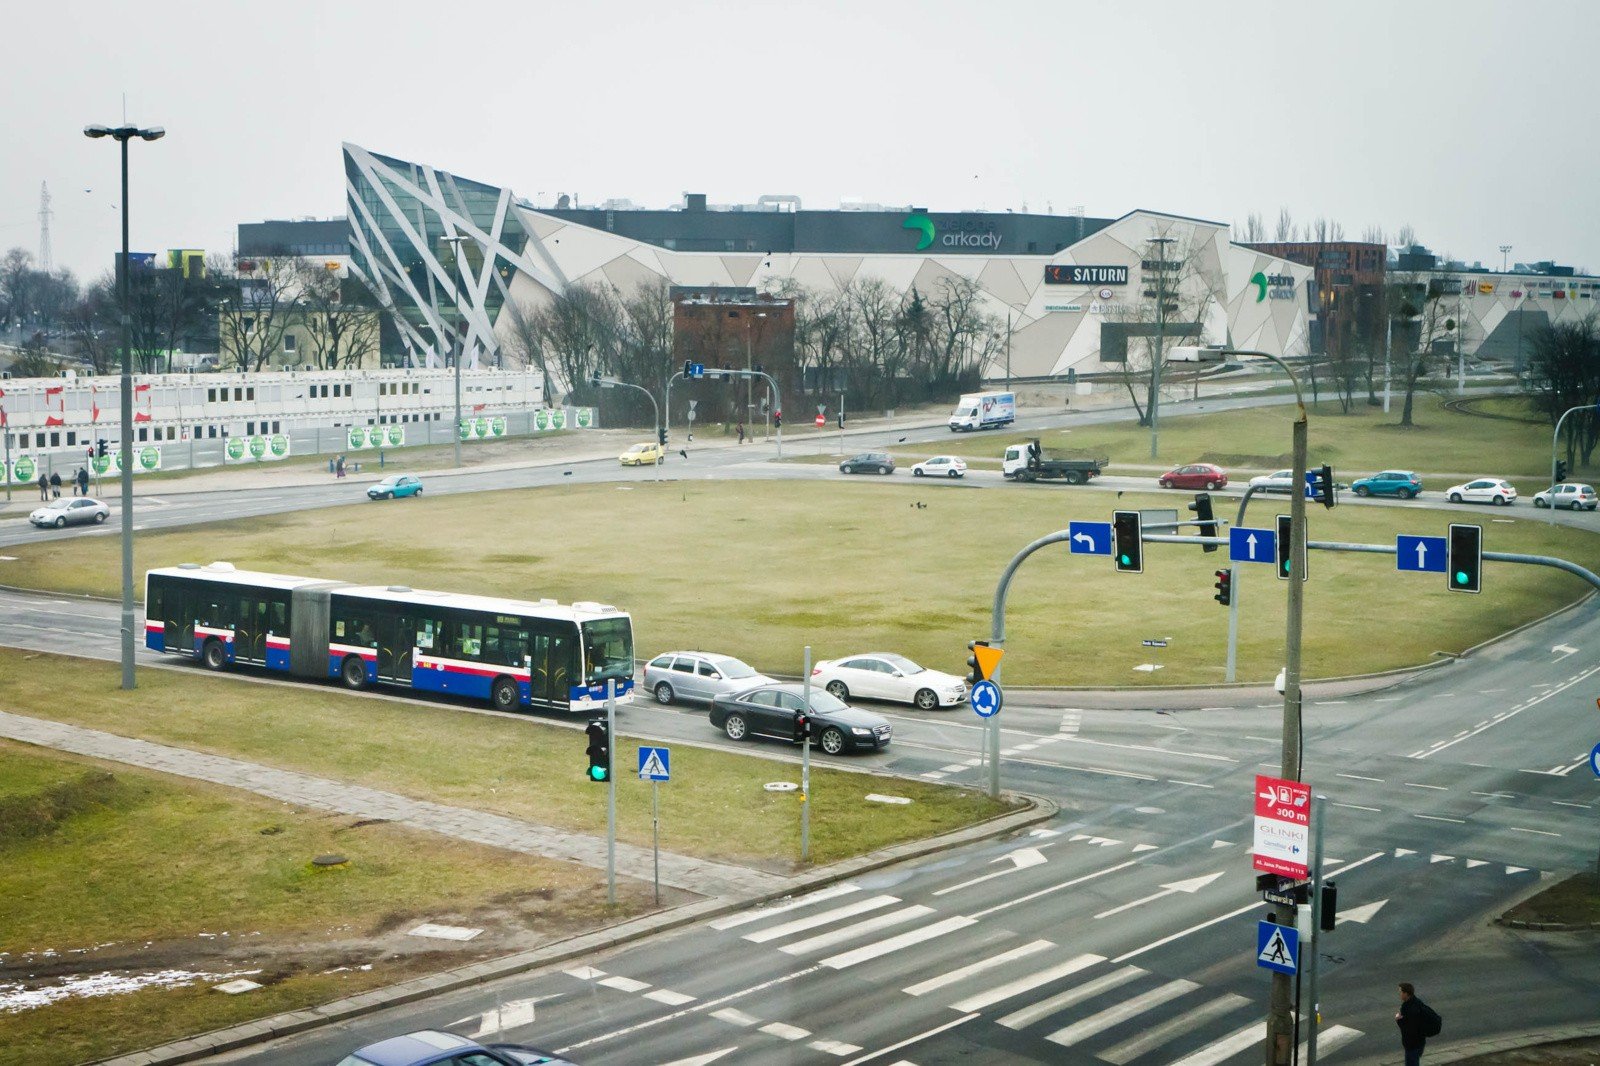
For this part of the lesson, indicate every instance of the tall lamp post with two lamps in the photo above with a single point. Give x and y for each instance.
(123, 134)
(455, 243)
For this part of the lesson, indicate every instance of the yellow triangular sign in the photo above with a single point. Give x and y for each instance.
(988, 659)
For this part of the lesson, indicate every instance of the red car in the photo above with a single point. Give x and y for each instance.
(1195, 476)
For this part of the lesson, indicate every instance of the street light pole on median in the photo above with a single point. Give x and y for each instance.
(123, 135)
(613, 383)
(456, 242)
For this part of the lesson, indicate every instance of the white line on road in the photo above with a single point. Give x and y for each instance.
(1057, 888)
(910, 1040)
(1510, 714)
(1358, 777)
(1358, 807)
(1191, 784)
(933, 984)
(1440, 818)
(1564, 803)
(1436, 788)
(1539, 832)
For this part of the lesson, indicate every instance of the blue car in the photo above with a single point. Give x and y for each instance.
(432, 1047)
(1401, 483)
(395, 486)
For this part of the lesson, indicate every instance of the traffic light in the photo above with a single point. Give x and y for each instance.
(594, 379)
(100, 446)
(1127, 535)
(1322, 486)
(777, 420)
(1224, 587)
(1561, 471)
(661, 435)
(688, 368)
(1330, 907)
(1286, 545)
(841, 418)
(599, 750)
(975, 671)
(1205, 517)
(1465, 558)
(802, 727)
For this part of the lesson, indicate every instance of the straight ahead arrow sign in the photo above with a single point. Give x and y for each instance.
(1191, 886)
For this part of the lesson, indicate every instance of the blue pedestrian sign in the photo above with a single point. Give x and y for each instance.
(697, 370)
(1277, 947)
(1421, 554)
(1089, 538)
(655, 764)
(985, 699)
(1247, 545)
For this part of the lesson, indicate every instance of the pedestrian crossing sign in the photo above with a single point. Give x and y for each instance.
(654, 764)
(1277, 947)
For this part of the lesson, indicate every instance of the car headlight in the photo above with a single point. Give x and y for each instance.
(860, 731)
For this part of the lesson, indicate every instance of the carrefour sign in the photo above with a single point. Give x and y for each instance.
(1073, 274)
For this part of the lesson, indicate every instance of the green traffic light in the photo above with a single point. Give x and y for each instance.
(1126, 561)
(1461, 577)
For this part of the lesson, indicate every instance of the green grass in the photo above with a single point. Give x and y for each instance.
(524, 769)
(761, 569)
(143, 858)
(1575, 901)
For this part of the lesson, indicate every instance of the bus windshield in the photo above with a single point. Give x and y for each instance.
(608, 649)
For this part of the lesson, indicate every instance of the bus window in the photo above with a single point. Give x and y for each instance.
(607, 649)
(469, 640)
(427, 631)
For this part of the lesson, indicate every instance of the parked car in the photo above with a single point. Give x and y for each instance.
(429, 1046)
(941, 466)
(886, 676)
(1277, 481)
(1401, 483)
(868, 463)
(1573, 497)
(1497, 491)
(770, 711)
(642, 455)
(1195, 476)
(72, 511)
(698, 675)
(395, 486)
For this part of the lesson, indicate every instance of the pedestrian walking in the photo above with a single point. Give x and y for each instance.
(55, 484)
(741, 432)
(1417, 1022)
(339, 467)
(44, 486)
(83, 481)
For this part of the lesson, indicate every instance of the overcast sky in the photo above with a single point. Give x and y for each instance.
(1471, 121)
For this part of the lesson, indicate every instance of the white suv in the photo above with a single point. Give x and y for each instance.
(1572, 497)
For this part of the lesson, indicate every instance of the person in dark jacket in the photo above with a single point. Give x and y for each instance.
(83, 481)
(55, 484)
(1409, 1019)
(44, 486)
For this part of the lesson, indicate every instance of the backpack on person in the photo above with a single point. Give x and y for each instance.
(1432, 1024)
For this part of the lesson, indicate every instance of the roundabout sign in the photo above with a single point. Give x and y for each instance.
(986, 699)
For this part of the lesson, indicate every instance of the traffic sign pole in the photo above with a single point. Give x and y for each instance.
(1319, 809)
(655, 833)
(805, 769)
(611, 790)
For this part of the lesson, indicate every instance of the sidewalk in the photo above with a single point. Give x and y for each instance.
(700, 876)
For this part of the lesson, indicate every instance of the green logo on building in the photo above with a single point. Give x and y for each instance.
(358, 437)
(101, 463)
(258, 447)
(234, 449)
(1259, 280)
(541, 419)
(397, 436)
(923, 225)
(464, 428)
(23, 469)
(558, 419)
(497, 427)
(150, 458)
(585, 417)
(279, 445)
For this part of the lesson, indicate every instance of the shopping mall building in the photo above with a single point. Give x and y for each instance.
(1074, 289)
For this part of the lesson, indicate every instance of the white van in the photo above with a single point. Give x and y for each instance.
(984, 410)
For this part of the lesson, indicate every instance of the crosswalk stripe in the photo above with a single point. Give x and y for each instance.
(1046, 1007)
(1129, 1050)
(895, 943)
(811, 921)
(851, 932)
(1099, 1023)
(1025, 984)
(625, 984)
(733, 921)
(834, 1047)
(1228, 1046)
(1334, 1036)
(934, 983)
(734, 1016)
(669, 997)
(785, 1031)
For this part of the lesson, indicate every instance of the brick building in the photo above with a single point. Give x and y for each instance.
(1349, 298)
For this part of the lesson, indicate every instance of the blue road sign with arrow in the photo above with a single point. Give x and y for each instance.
(1089, 538)
(1277, 947)
(986, 699)
(1247, 545)
(697, 370)
(1421, 554)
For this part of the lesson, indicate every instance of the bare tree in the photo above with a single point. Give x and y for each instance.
(339, 319)
(1284, 232)
(36, 360)
(1254, 231)
(259, 302)
(1418, 305)
(1373, 235)
(92, 326)
(1406, 237)
(1564, 372)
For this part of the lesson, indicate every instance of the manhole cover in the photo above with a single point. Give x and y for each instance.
(780, 786)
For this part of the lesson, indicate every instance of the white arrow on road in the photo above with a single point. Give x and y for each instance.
(1023, 857)
(1362, 915)
(1085, 538)
(1191, 886)
(1251, 540)
(1563, 650)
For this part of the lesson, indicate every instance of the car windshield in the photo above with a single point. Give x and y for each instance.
(902, 664)
(823, 702)
(57, 505)
(733, 669)
(392, 479)
(637, 448)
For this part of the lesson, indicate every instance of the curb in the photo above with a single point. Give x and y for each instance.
(1471, 1049)
(189, 1049)
(1547, 927)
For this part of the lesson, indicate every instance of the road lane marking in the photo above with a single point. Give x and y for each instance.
(1228, 1046)
(669, 997)
(1437, 788)
(734, 1016)
(850, 932)
(1564, 803)
(1191, 784)
(935, 983)
(1539, 832)
(1025, 1017)
(1127, 1051)
(1116, 1015)
(624, 984)
(735, 920)
(910, 1040)
(1440, 818)
(811, 921)
(989, 997)
(1358, 777)
(1496, 795)
(847, 959)
(784, 1032)
(1056, 888)
(1535, 701)
(1358, 807)
(834, 1047)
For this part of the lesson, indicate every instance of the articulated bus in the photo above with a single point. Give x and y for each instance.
(512, 653)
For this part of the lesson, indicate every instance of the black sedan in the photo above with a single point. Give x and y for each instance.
(771, 710)
(868, 463)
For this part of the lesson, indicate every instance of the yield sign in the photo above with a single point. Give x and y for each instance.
(988, 659)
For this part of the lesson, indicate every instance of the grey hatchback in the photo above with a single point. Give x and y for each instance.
(868, 463)
(698, 675)
(771, 710)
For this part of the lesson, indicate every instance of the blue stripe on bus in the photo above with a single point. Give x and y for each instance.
(455, 682)
(277, 658)
(155, 639)
(598, 692)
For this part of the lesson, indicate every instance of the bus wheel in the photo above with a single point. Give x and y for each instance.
(504, 695)
(353, 672)
(214, 655)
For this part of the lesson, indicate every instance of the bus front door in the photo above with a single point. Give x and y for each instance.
(395, 648)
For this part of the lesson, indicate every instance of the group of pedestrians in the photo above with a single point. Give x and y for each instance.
(50, 484)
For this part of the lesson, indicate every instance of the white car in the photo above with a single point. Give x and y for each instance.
(1277, 481)
(1497, 491)
(941, 466)
(886, 676)
(1572, 497)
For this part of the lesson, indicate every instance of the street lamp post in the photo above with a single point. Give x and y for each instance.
(123, 134)
(1555, 440)
(1505, 249)
(613, 383)
(456, 242)
(749, 365)
(1161, 329)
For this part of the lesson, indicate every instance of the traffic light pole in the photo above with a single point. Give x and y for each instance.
(1233, 606)
(1555, 441)
(805, 769)
(611, 790)
(1319, 813)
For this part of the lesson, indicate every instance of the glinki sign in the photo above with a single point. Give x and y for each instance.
(1283, 826)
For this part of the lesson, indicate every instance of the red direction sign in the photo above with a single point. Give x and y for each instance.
(1283, 826)
(821, 420)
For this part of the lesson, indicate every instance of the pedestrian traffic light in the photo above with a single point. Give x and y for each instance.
(975, 670)
(1128, 533)
(777, 420)
(802, 727)
(100, 445)
(1205, 517)
(1561, 471)
(661, 435)
(599, 750)
(1465, 558)
(1329, 916)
